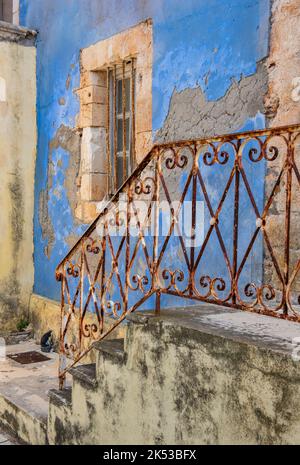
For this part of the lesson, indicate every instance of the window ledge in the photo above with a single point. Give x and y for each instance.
(13, 33)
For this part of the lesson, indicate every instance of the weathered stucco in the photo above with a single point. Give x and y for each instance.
(192, 116)
(67, 139)
(212, 377)
(17, 165)
(283, 108)
(202, 84)
(211, 74)
(207, 58)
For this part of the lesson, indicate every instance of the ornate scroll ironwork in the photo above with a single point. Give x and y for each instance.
(249, 186)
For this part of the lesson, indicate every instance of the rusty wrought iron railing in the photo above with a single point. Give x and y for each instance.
(213, 220)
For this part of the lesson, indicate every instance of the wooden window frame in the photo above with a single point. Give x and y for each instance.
(116, 113)
(9, 11)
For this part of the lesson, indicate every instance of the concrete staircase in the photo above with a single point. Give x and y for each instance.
(195, 375)
(72, 409)
(23, 394)
(202, 375)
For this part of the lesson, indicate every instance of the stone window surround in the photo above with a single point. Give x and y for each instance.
(14, 4)
(92, 119)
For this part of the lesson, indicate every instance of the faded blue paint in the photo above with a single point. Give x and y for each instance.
(196, 42)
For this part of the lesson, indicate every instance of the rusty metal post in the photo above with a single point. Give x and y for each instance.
(127, 251)
(62, 356)
(236, 223)
(193, 221)
(288, 193)
(124, 123)
(155, 278)
(157, 303)
(102, 282)
(108, 150)
(81, 293)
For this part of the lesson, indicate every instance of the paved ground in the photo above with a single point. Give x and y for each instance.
(27, 385)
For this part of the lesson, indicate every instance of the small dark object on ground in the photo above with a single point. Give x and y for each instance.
(25, 358)
(47, 342)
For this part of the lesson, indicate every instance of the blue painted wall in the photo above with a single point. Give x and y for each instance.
(193, 39)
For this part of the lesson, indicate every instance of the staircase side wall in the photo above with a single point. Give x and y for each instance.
(184, 386)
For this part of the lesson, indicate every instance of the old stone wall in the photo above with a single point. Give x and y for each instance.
(282, 104)
(17, 165)
(208, 377)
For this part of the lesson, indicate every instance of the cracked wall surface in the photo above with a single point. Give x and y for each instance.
(68, 140)
(194, 71)
(283, 109)
(187, 378)
(17, 163)
(192, 116)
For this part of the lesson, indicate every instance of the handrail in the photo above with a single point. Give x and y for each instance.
(147, 158)
(111, 271)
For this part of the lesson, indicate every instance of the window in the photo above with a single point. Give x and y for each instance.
(6, 10)
(121, 124)
(115, 116)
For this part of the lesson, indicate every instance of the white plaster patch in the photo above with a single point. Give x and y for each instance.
(2, 349)
(93, 150)
(296, 349)
(2, 89)
(16, 12)
(296, 89)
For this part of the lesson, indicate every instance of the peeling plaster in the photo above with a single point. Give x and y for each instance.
(191, 115)
(17, 149)
(206, 46)
(69, 140)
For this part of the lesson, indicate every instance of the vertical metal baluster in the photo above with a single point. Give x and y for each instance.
(193, 222)
(155, 278)
(288, 190)
(127, 256)
(62, 356)
(108, 152)
(133, 154)
(236, 222)
(81, 294)
(102, 283)
(115, 126)
(124, 121)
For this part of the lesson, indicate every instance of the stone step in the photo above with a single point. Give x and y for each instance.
(183, 362)
(16, 338)
(61, 398)
(85, 375)
(112, 349)
(23, 424)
